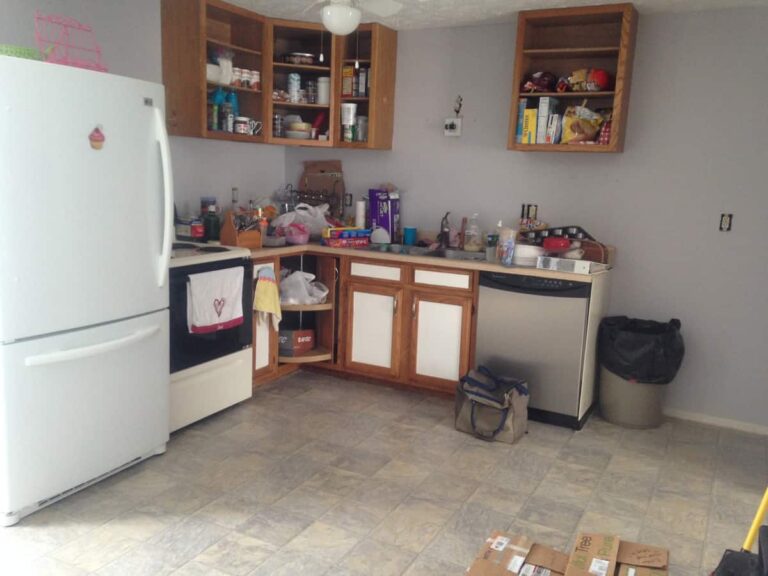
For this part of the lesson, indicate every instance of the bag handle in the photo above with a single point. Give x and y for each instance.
(478, 433)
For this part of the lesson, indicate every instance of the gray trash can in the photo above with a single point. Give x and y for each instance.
(638, 358)
(630, 403)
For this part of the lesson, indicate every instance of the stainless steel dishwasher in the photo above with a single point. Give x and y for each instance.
(535, 328)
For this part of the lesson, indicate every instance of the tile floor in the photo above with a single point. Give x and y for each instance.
(318, 475)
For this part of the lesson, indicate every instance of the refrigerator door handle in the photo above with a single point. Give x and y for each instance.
(165, 158)
(87, 351)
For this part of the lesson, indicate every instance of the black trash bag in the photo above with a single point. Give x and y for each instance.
(641, 350)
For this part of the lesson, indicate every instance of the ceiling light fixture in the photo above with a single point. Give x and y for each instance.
(340, 17)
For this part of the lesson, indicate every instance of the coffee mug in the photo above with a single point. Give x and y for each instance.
(245, 125)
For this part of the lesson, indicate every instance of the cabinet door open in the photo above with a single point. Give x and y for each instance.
(373, 329)
(440, 339)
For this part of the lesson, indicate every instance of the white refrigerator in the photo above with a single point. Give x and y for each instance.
(86, 197)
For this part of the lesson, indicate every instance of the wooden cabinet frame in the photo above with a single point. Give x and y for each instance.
(398, 295)
(535, 50)
(415, 297)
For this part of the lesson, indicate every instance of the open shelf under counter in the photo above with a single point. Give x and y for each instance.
(306, 67)
(235, 47)
(318, 354)
(604, 94)
(571, 52)
(307, 307)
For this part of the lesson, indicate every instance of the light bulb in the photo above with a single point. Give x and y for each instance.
(340, 19)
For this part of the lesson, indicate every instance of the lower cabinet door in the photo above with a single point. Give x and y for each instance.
(373, 331)
(440, 339)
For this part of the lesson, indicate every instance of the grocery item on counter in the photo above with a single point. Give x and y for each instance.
(211, 224)
(473, 238)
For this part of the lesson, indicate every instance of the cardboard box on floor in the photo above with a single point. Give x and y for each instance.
(607, 555)
(593, 555)
(509, 555)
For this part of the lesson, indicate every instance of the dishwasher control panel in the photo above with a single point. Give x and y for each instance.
(535, 285)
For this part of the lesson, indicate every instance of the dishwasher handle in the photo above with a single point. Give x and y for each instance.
(535, 285)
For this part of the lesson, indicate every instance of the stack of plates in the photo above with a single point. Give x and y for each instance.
(526, 255)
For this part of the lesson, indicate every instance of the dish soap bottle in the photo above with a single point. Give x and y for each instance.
(473, 240)
(211, 224)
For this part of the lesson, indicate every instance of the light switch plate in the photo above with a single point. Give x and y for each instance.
(452, 127)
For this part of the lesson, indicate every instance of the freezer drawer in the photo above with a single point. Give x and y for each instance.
(77, 405)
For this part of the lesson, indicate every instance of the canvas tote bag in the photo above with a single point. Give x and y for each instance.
(490, 407)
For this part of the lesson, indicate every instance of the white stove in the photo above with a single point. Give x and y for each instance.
(211, 371)
(191, 253)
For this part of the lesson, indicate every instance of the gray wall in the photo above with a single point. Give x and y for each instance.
(129, 34)
(696, 146)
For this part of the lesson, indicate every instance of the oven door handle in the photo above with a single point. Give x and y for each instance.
(88, 351)
(165, 160)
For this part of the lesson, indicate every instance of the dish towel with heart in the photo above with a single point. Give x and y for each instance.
(215, 300)
(266, 300)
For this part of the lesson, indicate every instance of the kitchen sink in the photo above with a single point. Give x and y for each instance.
(448, 253)
(457, 254)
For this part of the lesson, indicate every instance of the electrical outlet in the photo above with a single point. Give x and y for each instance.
(726, 222)
(452, 127)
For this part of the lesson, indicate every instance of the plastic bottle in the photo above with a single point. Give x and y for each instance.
(211, 224)
(473, 240)
(232, 99)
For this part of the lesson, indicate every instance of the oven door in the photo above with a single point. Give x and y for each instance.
(189, 350)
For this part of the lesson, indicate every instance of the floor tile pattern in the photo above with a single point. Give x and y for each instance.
(321, 476)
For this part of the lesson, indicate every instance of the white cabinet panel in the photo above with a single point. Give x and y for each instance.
(372, 328)
(375, 271)
(439, 338)
(436, 278)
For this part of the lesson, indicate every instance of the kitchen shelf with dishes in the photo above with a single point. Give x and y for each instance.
(299, 101)
(212, 67)
(233, 74)
(573, 69)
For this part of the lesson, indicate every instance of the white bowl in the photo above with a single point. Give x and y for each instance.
(297, 134)
(528, 251)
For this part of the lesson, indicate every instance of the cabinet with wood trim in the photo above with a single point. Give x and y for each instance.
(191, 30)
(373, 329)
(369, 54)
(562, 40)
(439, 336)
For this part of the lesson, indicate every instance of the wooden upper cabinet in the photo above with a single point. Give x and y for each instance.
(374, 48)
(194, 30)
(191, 30)
(286, 37)
(566, 39)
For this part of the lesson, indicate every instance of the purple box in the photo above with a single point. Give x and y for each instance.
(384, 209)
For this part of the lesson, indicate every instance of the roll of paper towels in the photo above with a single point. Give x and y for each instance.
(360, 214)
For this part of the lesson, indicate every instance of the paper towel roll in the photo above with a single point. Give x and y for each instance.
(360, 214)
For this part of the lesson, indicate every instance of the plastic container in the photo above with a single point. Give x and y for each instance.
(473, 239)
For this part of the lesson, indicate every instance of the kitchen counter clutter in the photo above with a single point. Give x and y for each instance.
(474, 265)
(423, 322)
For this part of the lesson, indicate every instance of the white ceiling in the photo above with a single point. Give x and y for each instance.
(417, 14)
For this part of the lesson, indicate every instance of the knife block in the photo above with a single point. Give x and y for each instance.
(231, 236)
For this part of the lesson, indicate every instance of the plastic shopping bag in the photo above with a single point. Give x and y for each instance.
(314, 217)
